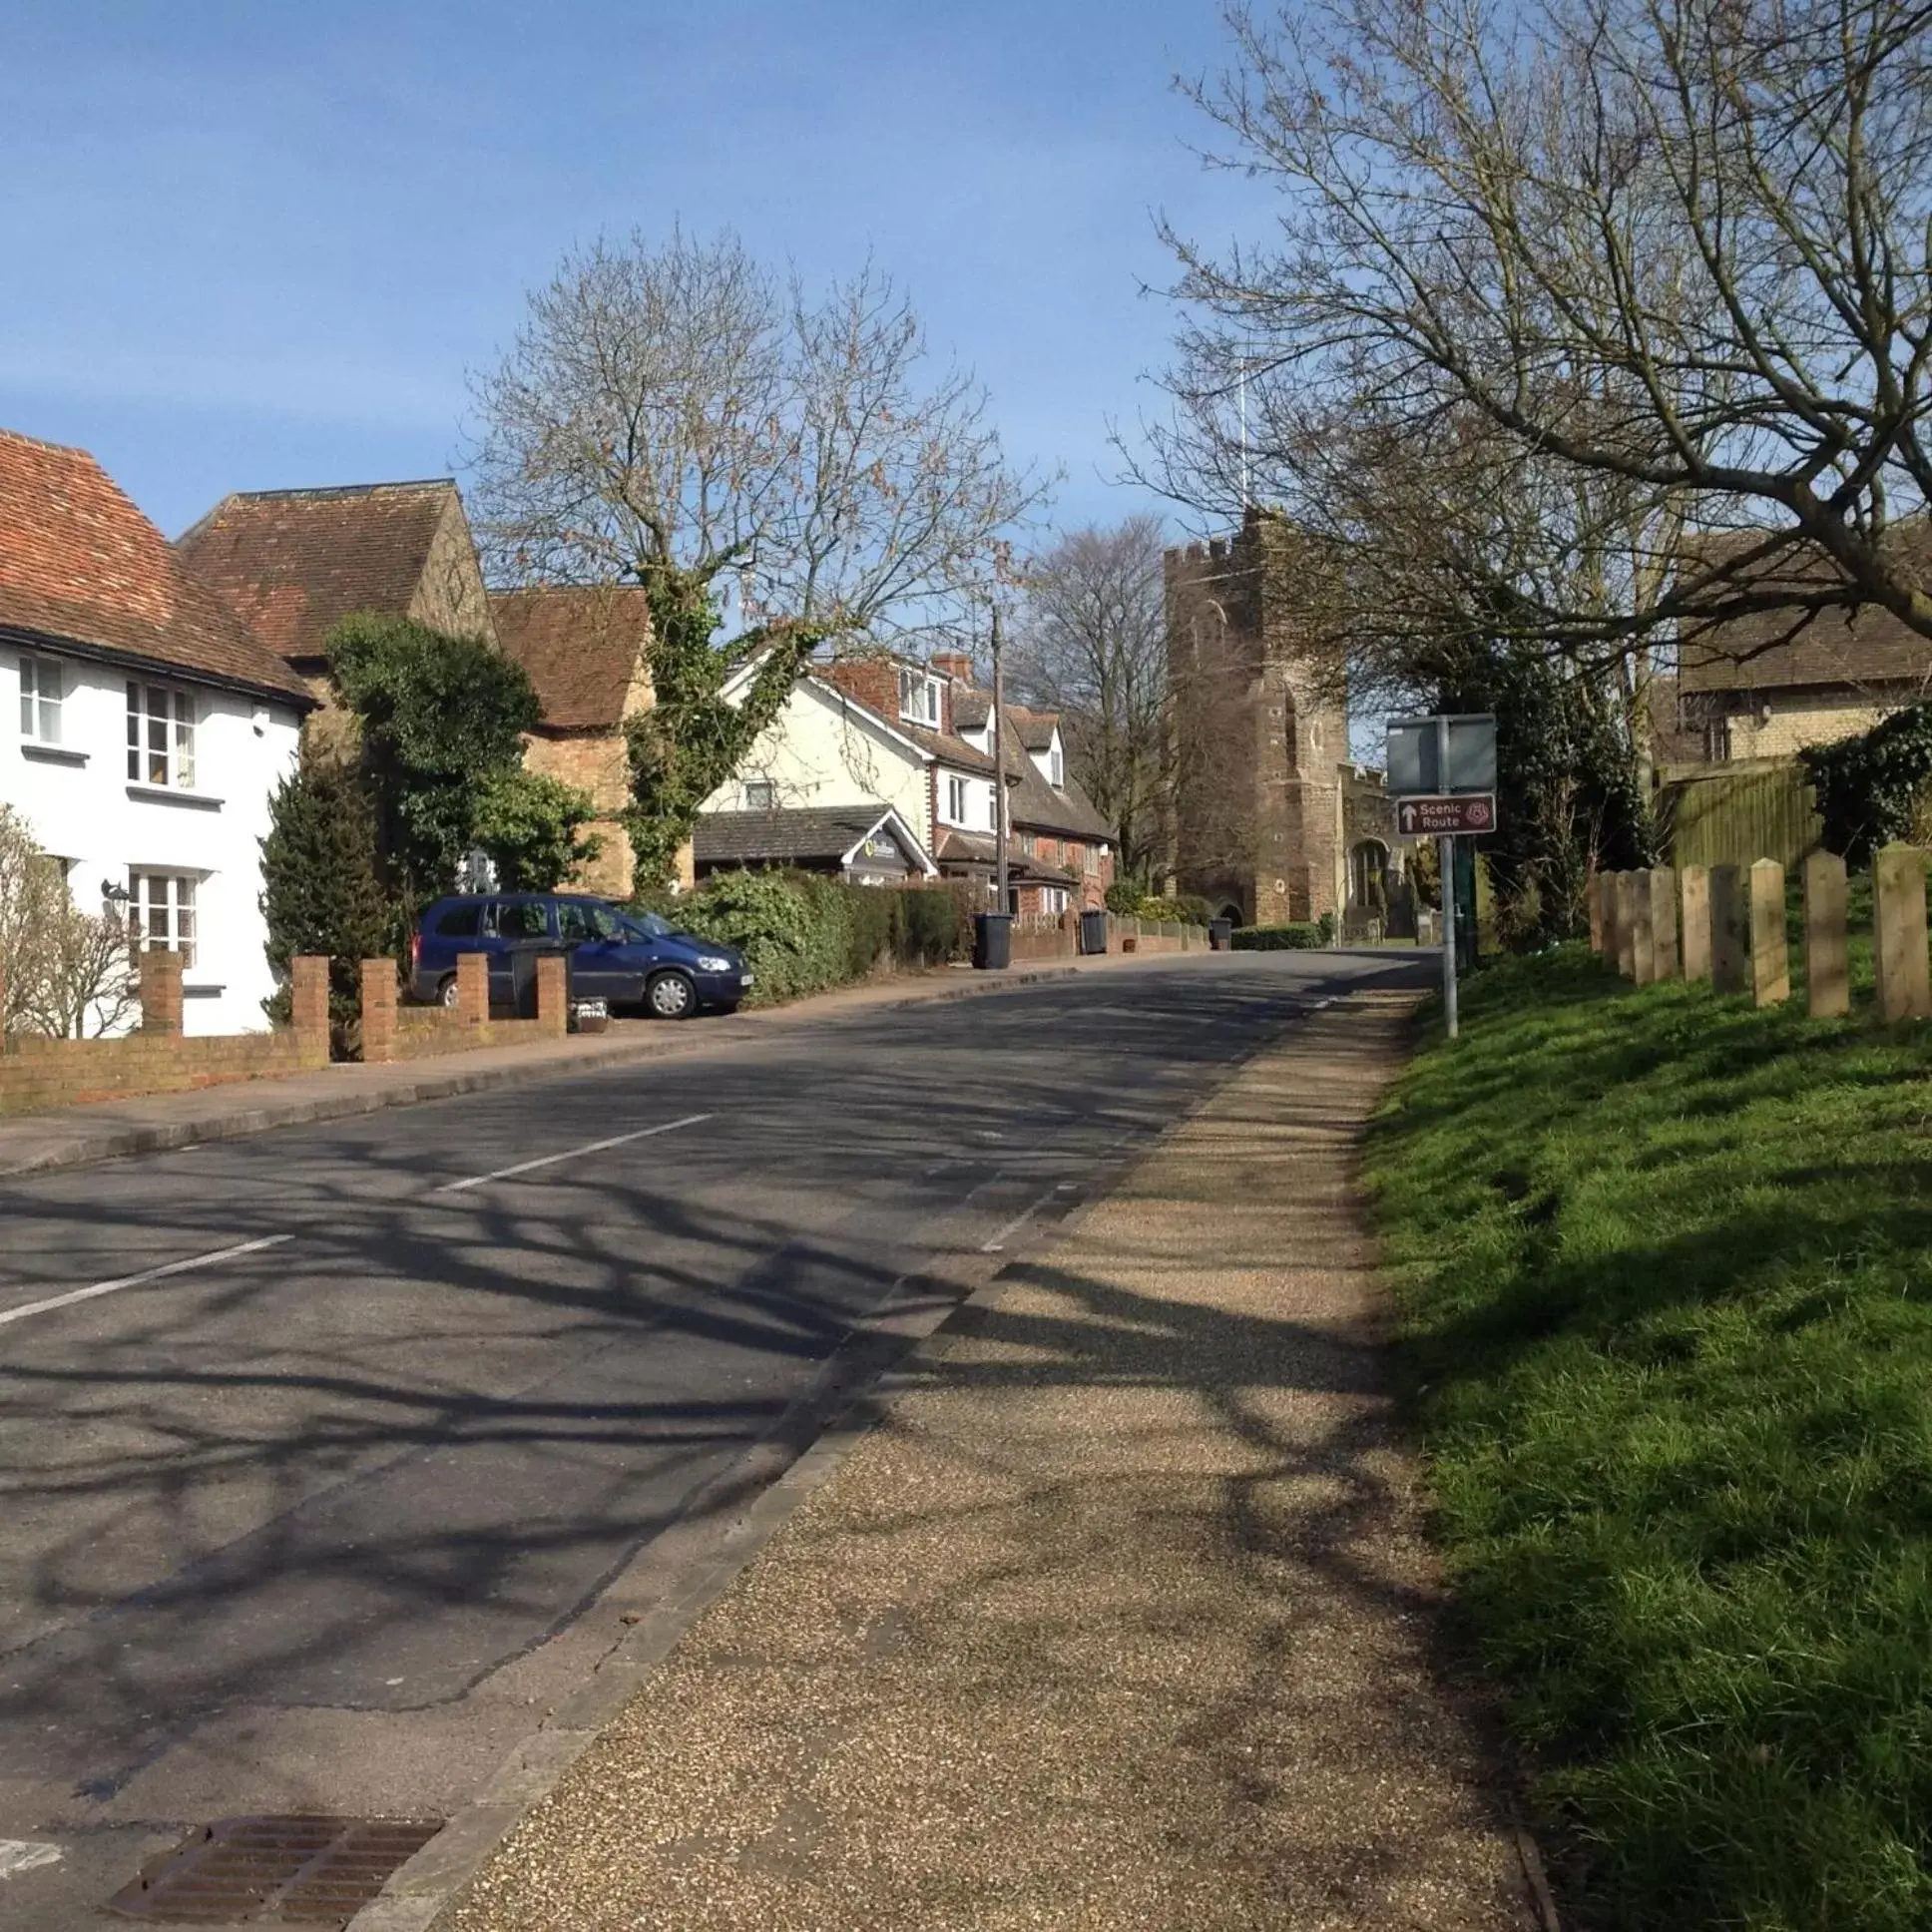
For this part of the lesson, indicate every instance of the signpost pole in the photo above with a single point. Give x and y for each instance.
(1447, 867)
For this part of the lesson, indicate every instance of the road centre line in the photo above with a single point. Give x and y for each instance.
(569, 1153)
(73, 1296)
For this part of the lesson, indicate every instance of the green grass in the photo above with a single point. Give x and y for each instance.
(1665, 1273)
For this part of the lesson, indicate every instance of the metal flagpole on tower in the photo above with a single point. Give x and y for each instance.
(999, 765)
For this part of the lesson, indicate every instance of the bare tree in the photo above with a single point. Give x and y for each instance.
(1091, 646)
(1678, 248)
(63, 972)
(678, 418)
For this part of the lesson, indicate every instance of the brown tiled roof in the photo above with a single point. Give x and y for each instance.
(80, 564)
(971, 708)
(1870, 647)
(945, 748)
(1032, 803)
(580, 645)
(291, 564)
(1034, 729)
(777, 838)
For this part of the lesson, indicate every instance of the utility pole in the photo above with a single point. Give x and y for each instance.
(999, 765)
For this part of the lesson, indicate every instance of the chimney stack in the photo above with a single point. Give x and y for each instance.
(956, 664)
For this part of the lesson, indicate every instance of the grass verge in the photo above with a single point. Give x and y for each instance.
(1665, 1273)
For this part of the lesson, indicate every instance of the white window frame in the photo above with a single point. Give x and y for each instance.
(959, 801)
(765, 787)
(173, 723)
(40, 708)
(1056, 766)
(918, 697)
(162, 911)
(1053, 899)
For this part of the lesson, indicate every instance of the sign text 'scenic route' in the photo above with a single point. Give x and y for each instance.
(1470, 811)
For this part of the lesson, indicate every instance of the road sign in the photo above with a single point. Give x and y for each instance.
(1431, 757)
(1450, 817)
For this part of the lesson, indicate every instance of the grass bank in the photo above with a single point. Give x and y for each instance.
(1665, 1273)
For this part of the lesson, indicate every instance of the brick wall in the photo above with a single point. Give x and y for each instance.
(598, 764)
(393, 1033)
(37, 1073)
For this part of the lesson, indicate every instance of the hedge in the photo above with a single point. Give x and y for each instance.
(802, 933)
(1276, 939)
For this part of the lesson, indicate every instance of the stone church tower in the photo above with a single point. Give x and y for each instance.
(1259, 752)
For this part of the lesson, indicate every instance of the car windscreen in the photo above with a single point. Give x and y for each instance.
(645, 926)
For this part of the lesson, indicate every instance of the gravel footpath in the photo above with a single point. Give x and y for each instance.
(1120, 1618)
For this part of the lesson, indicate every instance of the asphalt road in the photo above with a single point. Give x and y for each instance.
(377, 1428)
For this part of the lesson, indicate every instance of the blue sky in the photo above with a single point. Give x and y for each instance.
(260, 244)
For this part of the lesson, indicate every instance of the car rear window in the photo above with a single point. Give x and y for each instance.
(460, 922)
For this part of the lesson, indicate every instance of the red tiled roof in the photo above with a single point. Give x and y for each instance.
(291, 564)
(580, 645)
(79, 563)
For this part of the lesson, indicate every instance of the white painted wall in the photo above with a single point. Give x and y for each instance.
(824, 750)
(978, 815)
(83, 809)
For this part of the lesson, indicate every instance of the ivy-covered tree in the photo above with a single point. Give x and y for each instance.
(532, 826)
(1568, 796)
(321, 891)
(442, 721)
(773, 471)
(1875, 787)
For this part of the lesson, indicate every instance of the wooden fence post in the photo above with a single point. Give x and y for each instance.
(1826, 975)
(1627, 924)
(1771, 945)
(1663, 922)
(1593, 899)
(1694, 945)
(1643, 931)
(1898, 938)
(1729, 930)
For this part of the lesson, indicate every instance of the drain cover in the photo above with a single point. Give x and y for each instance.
(273, 1871)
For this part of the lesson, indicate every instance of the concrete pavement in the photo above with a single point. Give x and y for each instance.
(1120, 1616)
(332, 1460)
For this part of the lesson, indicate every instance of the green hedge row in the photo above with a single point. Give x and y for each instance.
(1276, 939)
(802, 933)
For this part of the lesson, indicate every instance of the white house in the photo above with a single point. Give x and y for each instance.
(143, 727)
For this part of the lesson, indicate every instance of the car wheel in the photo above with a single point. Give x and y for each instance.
(670, 996)
(446, 993)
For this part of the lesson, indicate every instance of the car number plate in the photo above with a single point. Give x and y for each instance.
(746, 979)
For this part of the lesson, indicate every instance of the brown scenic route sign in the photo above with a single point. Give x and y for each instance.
(1471, 812)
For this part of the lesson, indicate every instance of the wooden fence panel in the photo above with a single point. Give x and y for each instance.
(1735, 817)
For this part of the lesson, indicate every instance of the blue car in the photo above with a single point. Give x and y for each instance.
(621, 958)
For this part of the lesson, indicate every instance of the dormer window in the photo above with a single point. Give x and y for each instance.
(1056, 766)
(918, 697)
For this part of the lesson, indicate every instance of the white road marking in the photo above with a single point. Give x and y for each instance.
(569, 1153)
(999, 1240)
(73, 1296)
(22, 1854)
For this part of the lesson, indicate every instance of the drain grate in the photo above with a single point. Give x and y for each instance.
(273, 1871)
